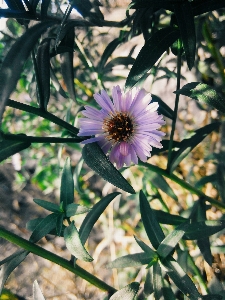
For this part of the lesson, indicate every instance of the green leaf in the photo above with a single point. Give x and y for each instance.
(212, 297)
(92, 217)
(203, 93)
(131, 260)
(181, 279)
(167, 291)
(157, 282)
(200, 7)
(198, 230)
(163, 109)
(152, 227)
(145, 247)
(67, 185)
(76, 209)
(59, 224)
(107, 53)
(44, 8)
(118, 61)
(74, 244)
(10, 264)
(166, 218)
(47, 205)
(37, 294)
(187, 145)
(158, 181)
(97, 161)
(8, 148)
(185, 20)
(77, 171)
(220, 176)
(15, 59)
(148, 286)
(43, 67)
(171, 240)
(44, 227)
(127, 293)
(154, 47)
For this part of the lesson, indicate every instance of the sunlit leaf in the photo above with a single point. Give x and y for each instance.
(127, 293)
(97, 161)
(131, 260)
(76, 209)
(37, 293)
(157, 282)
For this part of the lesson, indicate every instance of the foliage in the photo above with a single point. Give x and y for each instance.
(57, 61)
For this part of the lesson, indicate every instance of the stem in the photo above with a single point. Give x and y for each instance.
(176, 104)
(43, 114)
(183, 184)
(35, 139)
(13, 238)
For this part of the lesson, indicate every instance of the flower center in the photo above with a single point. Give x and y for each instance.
(119, 127)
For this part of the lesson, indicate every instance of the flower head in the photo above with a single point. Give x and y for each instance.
(126, 128)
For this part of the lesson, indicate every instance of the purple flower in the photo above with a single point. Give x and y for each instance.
(125, 128)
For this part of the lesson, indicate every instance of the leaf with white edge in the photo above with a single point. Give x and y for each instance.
(47, 205)
(12, 65)
(92, 217)
(129, 292)
(187, 145)
(198, 230)
(203, 93)
(44, 227)
(171, 240)
(12, 262)
(74, 244)
(77, 171)
(97, 161)
(148, 286)
(152, 227)
(131, 260)
(67, 185)
(76, 209)
(157, 282)
(181, 279)
(37, 293)
(154, 47)
(8, 148)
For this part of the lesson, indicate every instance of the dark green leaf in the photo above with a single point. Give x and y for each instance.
(118, 61)
(131, 260)
(212, 297)
(187, 145)
(78, 168)
(163, 109)
(167, 291)
(93, 216)
(206, 179)
(220, 176)
(15, 4)
(202, 6)
(148, 286)
(158, 181)
(150, 53)
(76, 209)
(47, 205)
(67, 185)
(44, 227)
(185, 20)
(145, 247)
(198, 230)
(44, 8)
(171, 240)
(8, 13)
(12, 262)
(37, 294)
(74, 244)
(107, 53)
(157, 282)
(59, 224)
(8, 148)
(127, 293)
(203, 93)
(152, 227)
(15, 59)
(181, 279)
(166, 218)
(97, 161)
(43, 66)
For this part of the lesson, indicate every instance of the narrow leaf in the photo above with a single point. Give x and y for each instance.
(152, 227)
(154, 47)
(74, 244)
(163, 109)
(204, 94)
(145, 247)
(202, 6)
(148, 286)
(131, 260)
(125, 61)
(185, 19)
(67, 185)
(187, 145)
(94, 215)
(107, 53)
(47, 205)
(15, 59)
(37, 293)
(157, 282)
(8, 148)
(166, 218)
(97, 161)
(76, 209)
(44, 8)
(127, 293)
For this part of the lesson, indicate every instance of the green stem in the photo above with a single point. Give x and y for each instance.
(183, 184)
(34, 139)
(43, 114)
(176, 104)
(13, 238)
